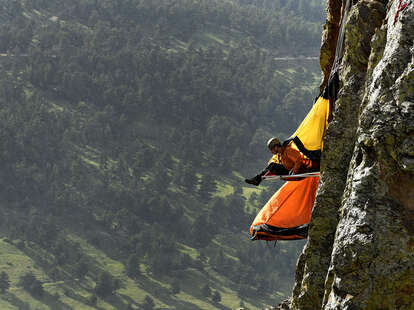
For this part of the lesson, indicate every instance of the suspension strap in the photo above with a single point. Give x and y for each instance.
(332, 87)
(339, 51)
(401, 6)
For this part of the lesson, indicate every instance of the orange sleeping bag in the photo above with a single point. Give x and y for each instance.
(287, 214)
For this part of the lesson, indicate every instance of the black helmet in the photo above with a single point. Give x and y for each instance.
(272, 142)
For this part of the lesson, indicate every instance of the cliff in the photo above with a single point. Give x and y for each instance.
(360, 250)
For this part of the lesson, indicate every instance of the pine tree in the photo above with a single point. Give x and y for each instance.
(132, 266)
(207, 187)
(82, 268)
(29, 282)
(149, 303)
(160, 178)
(215, 213)
(4, 282)
(206, 290)
(188, 178)
(175, 287)
(216, 297)
(106, 285)
(200, 232)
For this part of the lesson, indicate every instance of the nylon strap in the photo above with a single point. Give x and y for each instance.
(401, 7)
(340, 42)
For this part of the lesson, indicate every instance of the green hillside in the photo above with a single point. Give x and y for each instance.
(126, 130)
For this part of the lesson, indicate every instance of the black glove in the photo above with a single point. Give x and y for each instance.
(255, 180)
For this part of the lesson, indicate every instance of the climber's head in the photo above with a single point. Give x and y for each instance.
(273, 144)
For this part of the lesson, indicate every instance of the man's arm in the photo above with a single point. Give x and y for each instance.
(295, 157)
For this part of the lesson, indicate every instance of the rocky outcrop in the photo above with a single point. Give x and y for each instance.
(360, 250)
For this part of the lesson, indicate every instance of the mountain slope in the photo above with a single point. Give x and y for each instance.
(126, 127)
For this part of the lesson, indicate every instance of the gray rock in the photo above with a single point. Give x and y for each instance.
(360, 250)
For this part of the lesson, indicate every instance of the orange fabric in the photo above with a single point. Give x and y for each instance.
(308, 165)
(291, 158)
(289, 207)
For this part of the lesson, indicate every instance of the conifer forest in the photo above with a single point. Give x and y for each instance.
(127, 128)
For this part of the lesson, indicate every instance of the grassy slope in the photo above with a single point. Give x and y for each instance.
(18, 257)
(75, 294)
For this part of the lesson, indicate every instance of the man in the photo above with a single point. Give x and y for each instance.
(285, 160)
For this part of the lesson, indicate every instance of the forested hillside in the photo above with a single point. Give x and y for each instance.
(126, 127)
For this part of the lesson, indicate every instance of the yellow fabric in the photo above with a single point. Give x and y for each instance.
(275, 159)
(312, 129)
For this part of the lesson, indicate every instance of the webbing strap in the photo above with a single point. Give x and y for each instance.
(401, 7)
(340, 42)
(331, 89)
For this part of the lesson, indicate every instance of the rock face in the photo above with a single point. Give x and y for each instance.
(360, 250)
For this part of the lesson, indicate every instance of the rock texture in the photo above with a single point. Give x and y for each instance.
(360, 250)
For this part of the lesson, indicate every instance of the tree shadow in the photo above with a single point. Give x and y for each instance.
(48, 299)
(53, 302)
(119, 301)
(70, 292)
(219, 286)
(11, 298)
(165, 295)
